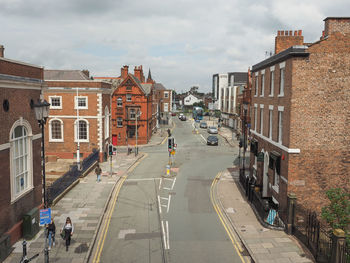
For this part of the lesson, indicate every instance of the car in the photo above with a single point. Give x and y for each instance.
(173, 114)
(183, 118)
(180, 115)
(212, 130)
(197, 120)
(212, 140)
(203, 125)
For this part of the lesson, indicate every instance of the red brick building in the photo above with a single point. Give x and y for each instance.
(163, 99)
(20, 145)
(133, 108)
(300, 109)
(79, 114)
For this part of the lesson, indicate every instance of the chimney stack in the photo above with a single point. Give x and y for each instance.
(86, 73)
(336, 24)
(2, 49)
(124, 71)
(138, 72)
(286, 39)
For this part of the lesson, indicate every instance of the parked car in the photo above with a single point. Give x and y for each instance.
(203, 125)
(212, 140)
(212, 130)
(173, 114)
(182, 117)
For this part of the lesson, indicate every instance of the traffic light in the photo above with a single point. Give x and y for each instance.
(170, 144)
(110, 149)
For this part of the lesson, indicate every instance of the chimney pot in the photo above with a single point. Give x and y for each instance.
(295, 33)
(2, 49)
(282, 33)
(291, 32)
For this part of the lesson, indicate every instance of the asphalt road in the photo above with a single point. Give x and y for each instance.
(170, 219)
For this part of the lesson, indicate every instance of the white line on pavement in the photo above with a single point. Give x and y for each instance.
(167, 233)
(172, 187)
(203, 138)
(160, 183)
(164, 237)
(168, 204)
(160, 208)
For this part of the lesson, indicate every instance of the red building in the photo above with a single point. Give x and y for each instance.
(133, 111)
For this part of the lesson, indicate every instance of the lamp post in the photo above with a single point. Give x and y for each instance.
(42, 113)
(138, 114)
(245, 108)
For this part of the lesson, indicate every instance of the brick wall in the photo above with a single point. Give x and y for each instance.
(18, 69)
(286, 39)
(333, 25)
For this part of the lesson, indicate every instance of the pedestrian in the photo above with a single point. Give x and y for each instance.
(169, 132)
(51, 231)
(68, 230)
(98, 172)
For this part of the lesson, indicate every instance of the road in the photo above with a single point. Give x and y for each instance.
(169, 219)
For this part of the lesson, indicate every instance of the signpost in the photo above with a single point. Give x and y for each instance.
(45, 216)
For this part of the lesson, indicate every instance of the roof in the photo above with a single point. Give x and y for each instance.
(146, 87)
(294, 51)
(106, 77)
(64, 75)
(159, 86)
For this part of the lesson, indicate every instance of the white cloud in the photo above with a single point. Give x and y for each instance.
(184, 42)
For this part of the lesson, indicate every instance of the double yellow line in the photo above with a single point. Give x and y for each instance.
(224, 222)
(105, 227)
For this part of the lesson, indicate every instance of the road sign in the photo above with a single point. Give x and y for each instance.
(45, 216)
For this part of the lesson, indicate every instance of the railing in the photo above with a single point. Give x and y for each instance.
(345, 253)
(62, 183)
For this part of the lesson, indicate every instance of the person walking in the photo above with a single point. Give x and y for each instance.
(68, 229)
(51, 231)
(98, 172)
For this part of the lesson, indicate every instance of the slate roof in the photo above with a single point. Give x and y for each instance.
(146, 87)
(64, 75)
(159, 86)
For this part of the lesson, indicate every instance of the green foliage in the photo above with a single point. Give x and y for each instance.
(199, 104)
(337, 213)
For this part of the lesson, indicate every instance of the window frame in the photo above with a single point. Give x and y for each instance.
(272, 81)
(106, 123)
(255, 117)
(256, 84)
(262, 77)
(119, 119)
(280, 125)
(76, 133)
(76, 103)
(52, 107)
(51, 139)
(270, 121)
(262, 119)
(167, 94)
(120, 102)
(128, 97)
(282, 79)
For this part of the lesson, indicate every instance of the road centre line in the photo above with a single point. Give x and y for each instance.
(144, 179)
(172, 187)
(167, 233)
(235, 243)
(168, 205)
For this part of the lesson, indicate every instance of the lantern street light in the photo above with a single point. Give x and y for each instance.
(42, 113)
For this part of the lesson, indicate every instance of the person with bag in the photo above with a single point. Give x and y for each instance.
(51, 230)
(98, 172)
(67, 231)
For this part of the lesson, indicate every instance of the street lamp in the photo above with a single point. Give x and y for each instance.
(138, 114)
(42, 113)
(245, 108)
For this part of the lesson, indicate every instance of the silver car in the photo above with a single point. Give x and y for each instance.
(212, 130)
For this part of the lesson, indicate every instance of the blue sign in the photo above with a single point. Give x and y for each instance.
(45, 216)
(271, 217)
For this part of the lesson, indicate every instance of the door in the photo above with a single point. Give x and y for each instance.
(265, 175)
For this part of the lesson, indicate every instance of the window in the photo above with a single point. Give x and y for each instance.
(82, 131)
(81, 102)
(119, 102)
(282, 73)
(55, 102)
(131, 130)
(128, 97)
(280, 123)
(270, 123)
(56, 130)
(256, 85)
(261, 119)
(255, 117)
(132, 114)
(166, 107)
(272, 81)
(262, 85)
(166, 94)
(119, 122)
(20, 161)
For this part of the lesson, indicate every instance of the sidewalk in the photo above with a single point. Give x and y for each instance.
(85, 205)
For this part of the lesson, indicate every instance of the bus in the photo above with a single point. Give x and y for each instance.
(197, 113)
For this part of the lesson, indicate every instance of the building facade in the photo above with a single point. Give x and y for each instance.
(133, 109)
(163, 99)
(79, 114)
(20, 145)
(300, 136)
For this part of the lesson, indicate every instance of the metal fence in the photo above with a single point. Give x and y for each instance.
(62, 183)
(345, 253)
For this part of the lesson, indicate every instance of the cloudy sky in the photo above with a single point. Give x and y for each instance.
(184, 42)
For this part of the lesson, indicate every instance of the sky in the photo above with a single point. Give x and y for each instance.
(183, 42)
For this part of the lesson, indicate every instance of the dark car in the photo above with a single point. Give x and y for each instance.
(173, 114)
(182, 117)
(212, 140)
(203, 125)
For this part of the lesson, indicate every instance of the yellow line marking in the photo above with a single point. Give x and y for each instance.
(104, 231)
(234, 241)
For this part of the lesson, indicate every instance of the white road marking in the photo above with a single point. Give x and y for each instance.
(160, 207)
(160, 183)
(144, 179)
(172, 187)
(123, 232)
(203, 138)
(167, 232)
(168, 204)
(164, 239)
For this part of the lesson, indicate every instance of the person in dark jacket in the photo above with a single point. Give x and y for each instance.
(51, 231)
(68, 229)
(98, 172)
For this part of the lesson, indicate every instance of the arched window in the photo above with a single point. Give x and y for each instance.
(21, 158)
(81, 131)
(56, 130)
(106, 122)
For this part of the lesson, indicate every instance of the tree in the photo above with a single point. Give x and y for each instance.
(337, 212)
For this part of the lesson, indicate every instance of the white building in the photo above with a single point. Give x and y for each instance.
(190, 100)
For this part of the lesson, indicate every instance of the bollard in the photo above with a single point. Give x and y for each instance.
(168, 170)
